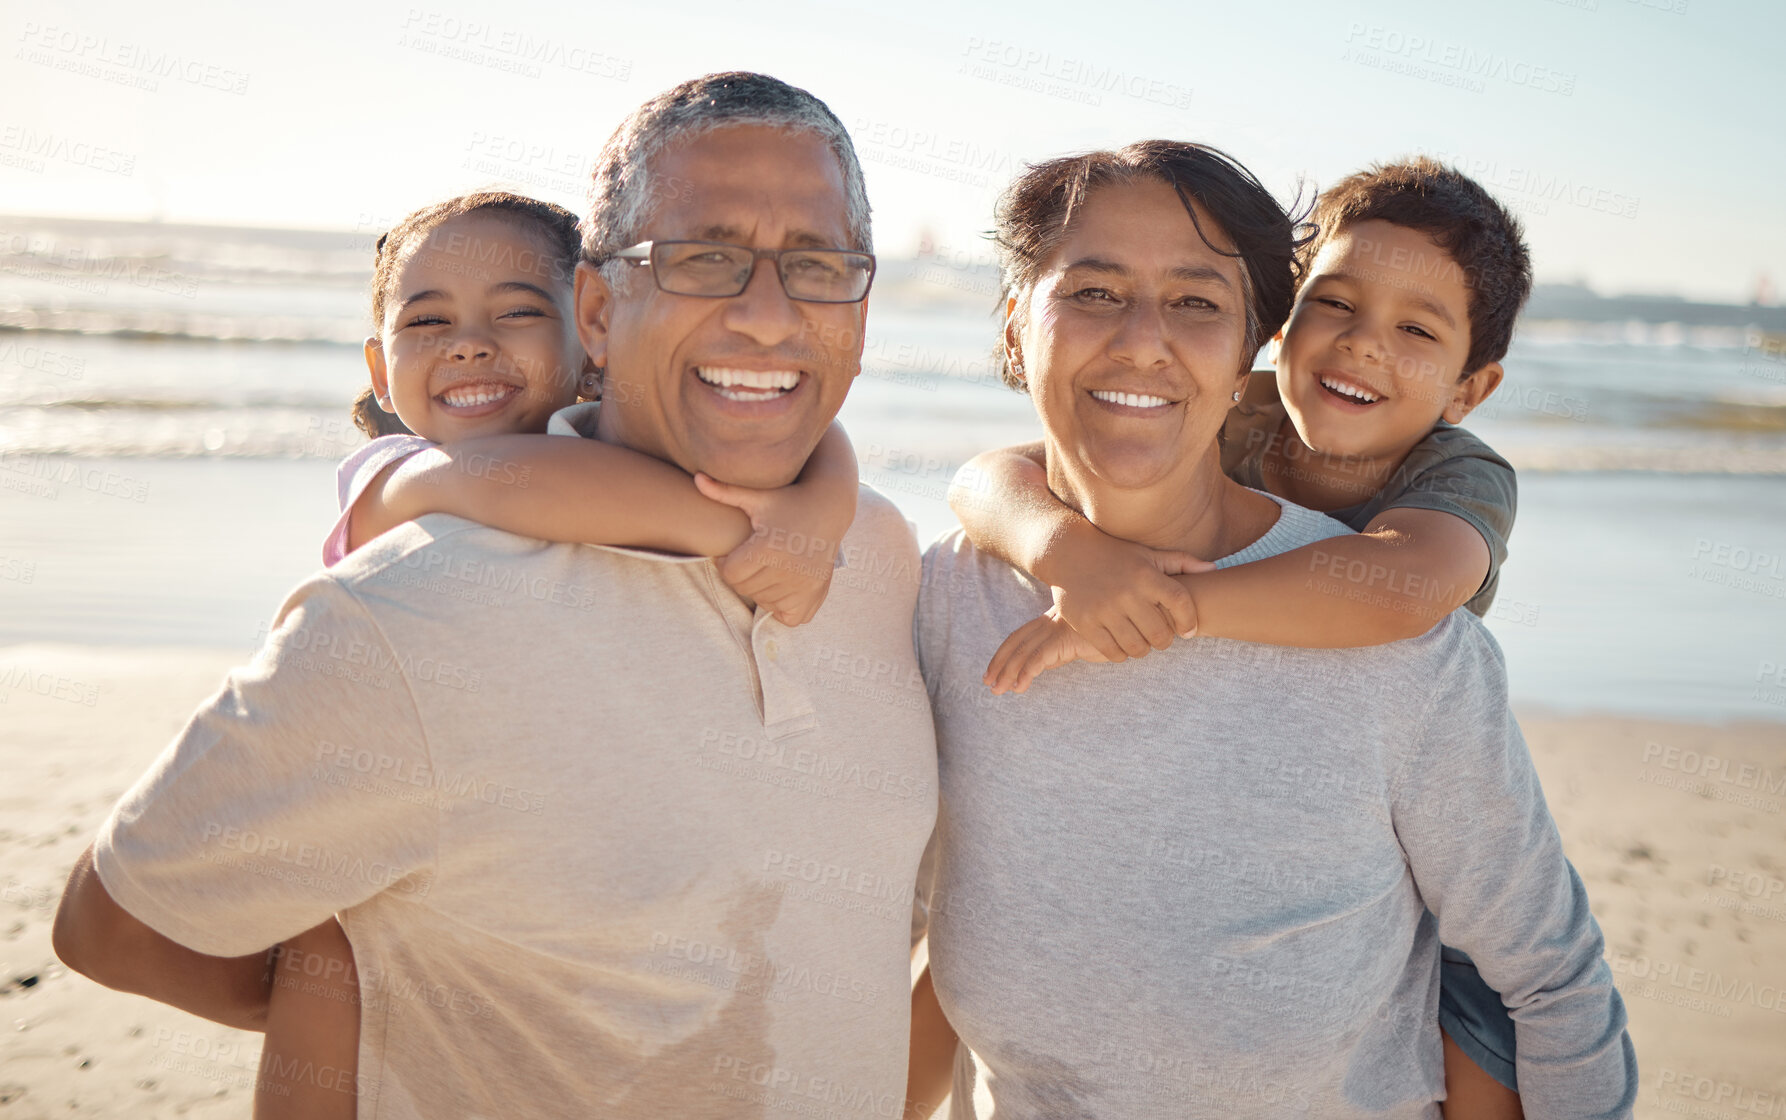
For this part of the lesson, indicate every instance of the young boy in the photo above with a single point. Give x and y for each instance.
(1405, 309)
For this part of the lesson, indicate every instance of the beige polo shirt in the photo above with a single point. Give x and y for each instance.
(606, 841)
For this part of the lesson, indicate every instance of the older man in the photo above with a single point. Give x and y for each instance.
(651, 859)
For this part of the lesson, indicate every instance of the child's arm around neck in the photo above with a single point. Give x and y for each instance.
(584, 491)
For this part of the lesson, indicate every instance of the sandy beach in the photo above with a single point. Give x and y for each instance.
(1679, 831)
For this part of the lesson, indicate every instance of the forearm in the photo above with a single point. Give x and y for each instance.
(1003, 502)
(96, 937)
(557, 488)
(932, 1070)
(1356, 590)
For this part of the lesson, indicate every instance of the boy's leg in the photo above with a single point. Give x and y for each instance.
(1480, 1081)
(1471, 1094)
(310, 1060)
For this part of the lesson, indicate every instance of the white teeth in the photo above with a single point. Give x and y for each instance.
(470, 396)
(758, 379)
(1133, 400)
(1350, 391)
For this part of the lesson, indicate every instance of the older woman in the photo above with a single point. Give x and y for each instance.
(1205, 883)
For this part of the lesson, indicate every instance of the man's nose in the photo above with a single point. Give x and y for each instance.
(763, 312)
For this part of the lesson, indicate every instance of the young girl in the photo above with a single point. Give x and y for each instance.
(476, 349)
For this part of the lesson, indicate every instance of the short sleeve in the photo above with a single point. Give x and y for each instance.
(246, 831)
(355, 473)
(1466, 479)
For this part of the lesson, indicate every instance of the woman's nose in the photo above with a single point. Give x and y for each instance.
(1141, 339)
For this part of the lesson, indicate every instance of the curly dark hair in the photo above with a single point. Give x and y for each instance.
(1036, 211)
(1481, 237)
(555, 223)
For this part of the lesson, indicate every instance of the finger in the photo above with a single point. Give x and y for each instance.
(739, 497)
(1104, 639)
(742, 564)
(1028, 663)
(999, 666)
(1180, 611)
(1174, 563)
(1155, 627)
(1000, 671)
(1130, 639)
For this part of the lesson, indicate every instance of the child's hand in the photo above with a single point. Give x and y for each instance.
(785, 565)
(1121, 596)
(1040, 644)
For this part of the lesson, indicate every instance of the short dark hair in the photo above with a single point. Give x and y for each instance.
(556, 224)
(1036, 211)
(1481, 237)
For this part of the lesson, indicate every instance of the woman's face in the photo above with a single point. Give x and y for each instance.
(1132, 341)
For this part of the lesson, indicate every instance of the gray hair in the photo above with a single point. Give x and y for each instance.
(623, 193)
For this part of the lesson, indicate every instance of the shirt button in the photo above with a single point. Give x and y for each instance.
(772, 649)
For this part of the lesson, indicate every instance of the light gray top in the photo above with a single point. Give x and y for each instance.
(1197, 884)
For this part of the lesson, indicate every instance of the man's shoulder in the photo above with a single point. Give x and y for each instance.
(433, 544)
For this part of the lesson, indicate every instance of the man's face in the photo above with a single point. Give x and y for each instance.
(742, 387)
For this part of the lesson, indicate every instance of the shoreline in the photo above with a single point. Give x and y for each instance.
(1689, 888)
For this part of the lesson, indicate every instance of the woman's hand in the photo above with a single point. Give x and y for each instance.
(785, 565)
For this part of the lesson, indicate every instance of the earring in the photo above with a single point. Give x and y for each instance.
(1237, 396)
(588, 383)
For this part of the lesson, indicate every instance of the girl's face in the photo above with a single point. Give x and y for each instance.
(478, 337)
(1132, 341)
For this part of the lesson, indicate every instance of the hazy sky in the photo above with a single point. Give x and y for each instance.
(1640, 139)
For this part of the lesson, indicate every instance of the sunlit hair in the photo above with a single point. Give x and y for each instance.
(1037, 211)
(556, 225)
(624, 191)
(1482, 238)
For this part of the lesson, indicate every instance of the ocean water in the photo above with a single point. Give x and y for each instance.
(172, 404)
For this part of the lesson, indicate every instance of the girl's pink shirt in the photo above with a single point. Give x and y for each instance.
(355, 473)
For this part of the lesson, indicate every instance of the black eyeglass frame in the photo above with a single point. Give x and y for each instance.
(645, 252)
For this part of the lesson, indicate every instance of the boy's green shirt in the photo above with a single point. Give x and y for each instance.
(1450, 471)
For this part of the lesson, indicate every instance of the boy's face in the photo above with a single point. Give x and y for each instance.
(1372, 355)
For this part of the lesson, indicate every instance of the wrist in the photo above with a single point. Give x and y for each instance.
(1052, 559)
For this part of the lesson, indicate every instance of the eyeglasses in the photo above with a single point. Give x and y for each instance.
(717, 270)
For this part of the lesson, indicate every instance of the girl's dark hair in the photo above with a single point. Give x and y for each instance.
(1482, 238)
(556, 224)
(1037, 210)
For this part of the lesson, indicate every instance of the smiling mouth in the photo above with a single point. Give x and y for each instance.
(477, 394)
(1129, 400)
(1348, 392)
(749, 385)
